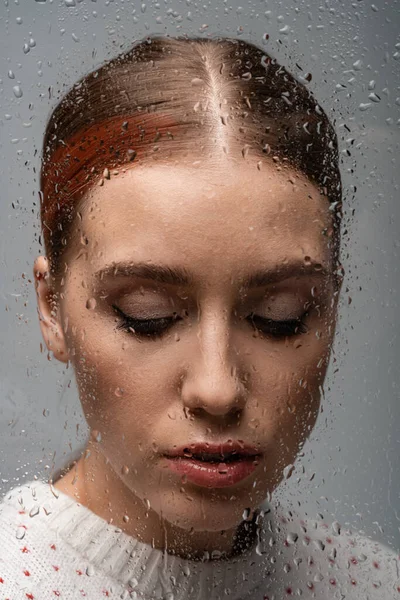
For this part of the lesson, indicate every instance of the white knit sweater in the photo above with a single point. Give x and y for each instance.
(51, 546)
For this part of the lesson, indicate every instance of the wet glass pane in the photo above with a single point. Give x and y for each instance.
(199, 245)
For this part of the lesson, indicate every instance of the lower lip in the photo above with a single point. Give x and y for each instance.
(213, 475)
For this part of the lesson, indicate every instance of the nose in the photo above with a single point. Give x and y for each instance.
(212, 380)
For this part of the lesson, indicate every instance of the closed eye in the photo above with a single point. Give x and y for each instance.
(149, 327)
(284, 328)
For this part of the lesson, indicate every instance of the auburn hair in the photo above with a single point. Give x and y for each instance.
(180, 96)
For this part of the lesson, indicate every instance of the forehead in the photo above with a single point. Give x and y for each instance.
(206, 213)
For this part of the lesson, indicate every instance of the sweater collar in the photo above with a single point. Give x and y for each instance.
(145, 570)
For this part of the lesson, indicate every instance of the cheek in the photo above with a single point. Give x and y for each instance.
(125, 386)
(286, 381)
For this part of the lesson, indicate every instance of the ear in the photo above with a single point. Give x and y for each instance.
(50, 323)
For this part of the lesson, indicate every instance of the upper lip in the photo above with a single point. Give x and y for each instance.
(214, 451)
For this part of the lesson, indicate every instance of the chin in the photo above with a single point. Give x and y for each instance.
(207, 510)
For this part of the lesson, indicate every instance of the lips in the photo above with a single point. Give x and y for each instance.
(214, 465)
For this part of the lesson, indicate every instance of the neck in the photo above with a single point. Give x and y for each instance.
(93, 483)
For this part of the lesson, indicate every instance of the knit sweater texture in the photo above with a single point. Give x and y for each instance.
(53, 547)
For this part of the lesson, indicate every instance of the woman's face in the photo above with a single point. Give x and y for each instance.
(199, 311)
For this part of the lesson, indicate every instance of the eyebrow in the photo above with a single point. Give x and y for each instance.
(178, 275)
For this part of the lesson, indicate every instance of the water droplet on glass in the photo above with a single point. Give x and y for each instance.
(96, 435)
(292, 538)
(69, 2)
(259, 549)
(91, 304)
(246, 514)
(336, 527)
(11, 74)
(90, 571)
(20, 534)
(287, 471)
(374, 97)
(34, 510)
(19, 20)
(131, 154)
(17, 91)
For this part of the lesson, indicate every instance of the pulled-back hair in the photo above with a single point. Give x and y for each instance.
(171, 97)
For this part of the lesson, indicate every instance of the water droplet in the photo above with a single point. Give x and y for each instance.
(222, 468)
(147, 502)
(31, 43)
(126, 519)
(46, 412)
(90, 571)
(119, 392)
(319, 545)
(287, 471)
(259, 549)
(106, 173)
(17, 91)
(20, 534)
(336, 527)
(96, 435)
(364, 106)
(357, 66)
(11, 74)
(69, 2)
(131, 154)
(26, 48)
(246, 514)
(374, 97)
(292, 538)
(186, 570)
(197, 81)
(34, 510)
(19, 20)
(143, 8)
(91, 304)
(125, 470)
(307, 260)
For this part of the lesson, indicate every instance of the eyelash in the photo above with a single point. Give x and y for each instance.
(156, 327)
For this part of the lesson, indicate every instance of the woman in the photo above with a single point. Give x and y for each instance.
(191, 206)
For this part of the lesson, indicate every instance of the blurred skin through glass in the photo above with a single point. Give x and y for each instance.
(235, 351)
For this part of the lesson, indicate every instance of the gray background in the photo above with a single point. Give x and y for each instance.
(354, 450)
